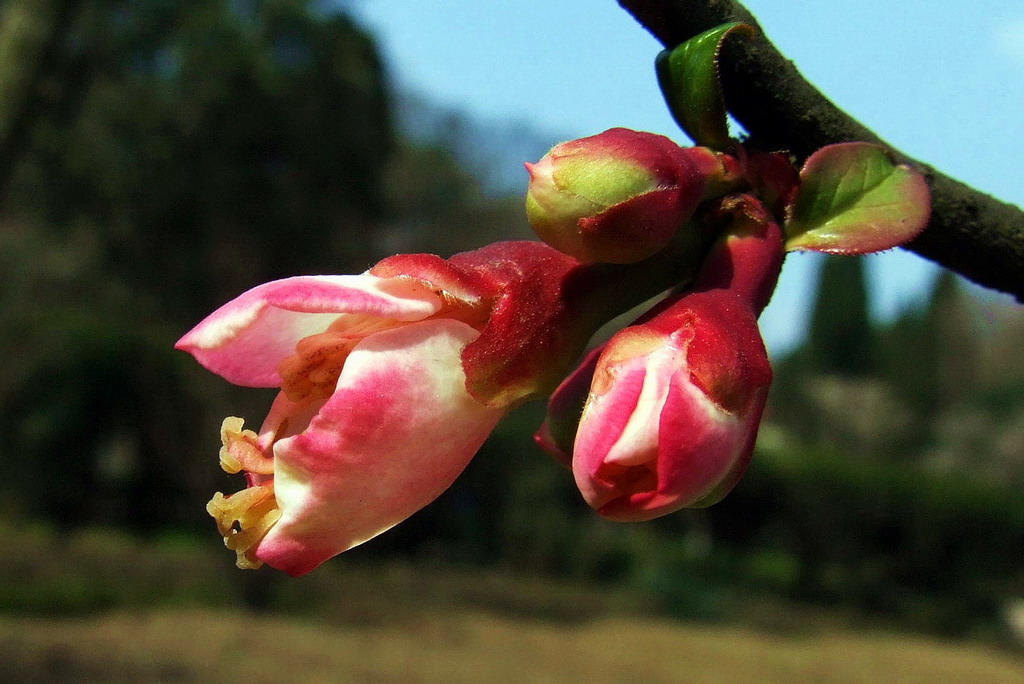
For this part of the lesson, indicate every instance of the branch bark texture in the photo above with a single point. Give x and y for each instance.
(971, 233)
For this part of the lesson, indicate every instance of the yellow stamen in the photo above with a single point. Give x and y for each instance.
(313, 370)
(245, 517)
(240, 451)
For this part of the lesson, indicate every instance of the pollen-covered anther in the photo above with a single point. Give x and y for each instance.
(313, 370)
(243, 519)
(240, 451)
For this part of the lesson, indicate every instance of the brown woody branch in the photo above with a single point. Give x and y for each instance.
(970, 232)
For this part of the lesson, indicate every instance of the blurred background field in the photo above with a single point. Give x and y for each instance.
(99, 606)
(161, 157)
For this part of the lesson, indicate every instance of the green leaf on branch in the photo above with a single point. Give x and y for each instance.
(688, 76)
(853, 199)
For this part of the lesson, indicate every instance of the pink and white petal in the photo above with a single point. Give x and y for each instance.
(638, 442)
(747, 438)
(605, 417)
(700, 445)
(396, 433)
(620, 429)
(245, 340)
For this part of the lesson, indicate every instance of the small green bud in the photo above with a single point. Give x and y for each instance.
(619, 196)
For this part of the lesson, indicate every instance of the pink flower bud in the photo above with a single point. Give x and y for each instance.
(675, 400)
(673, 410)
(620, 196)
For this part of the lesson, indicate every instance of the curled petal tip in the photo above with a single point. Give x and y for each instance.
(245, 340)
(377, 414)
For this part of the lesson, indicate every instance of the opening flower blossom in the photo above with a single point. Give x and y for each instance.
(676, 400)
(390, 382)
(373, 420)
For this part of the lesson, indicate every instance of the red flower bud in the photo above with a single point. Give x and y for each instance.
(675, 400)
(620, 196)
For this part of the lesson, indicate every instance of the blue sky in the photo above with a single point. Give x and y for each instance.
(942, 81)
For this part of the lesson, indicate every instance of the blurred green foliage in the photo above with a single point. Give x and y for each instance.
(168, 156)
(54, 573)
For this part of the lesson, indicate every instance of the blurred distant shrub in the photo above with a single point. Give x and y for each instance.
(53, 573)
(887, 538)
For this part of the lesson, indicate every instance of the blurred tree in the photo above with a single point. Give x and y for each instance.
(950, 322)
(841, 340)
(218, 144)
(829, 391)
(437, 206)
(931, 358)
(31, 34)
(190, 149)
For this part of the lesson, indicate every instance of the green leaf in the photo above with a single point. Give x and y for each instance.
(688, 76)
(853, 199)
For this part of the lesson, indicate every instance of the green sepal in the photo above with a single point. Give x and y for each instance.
(853, 199)
(688, 76)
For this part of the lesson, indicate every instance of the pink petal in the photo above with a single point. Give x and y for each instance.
(621, 426)
(396, 433)
(604, 420)
(673, 425)
(245, 340)
(700, 444)
(557, 434)
(638, 441)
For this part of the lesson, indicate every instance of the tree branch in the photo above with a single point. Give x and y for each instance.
(970, 232)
